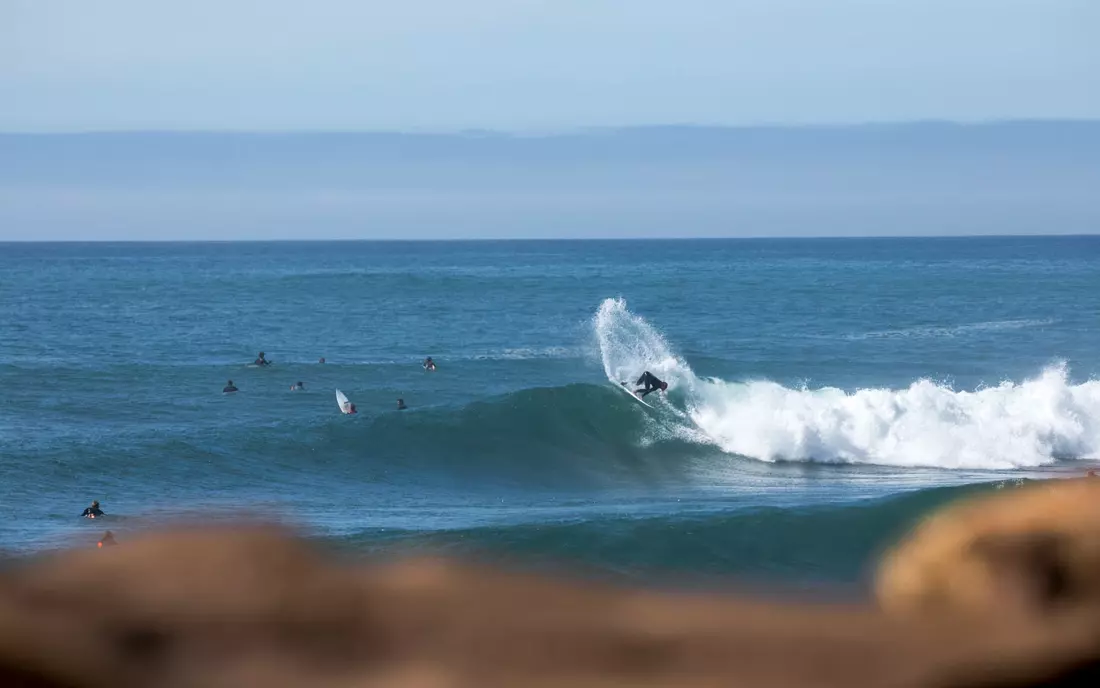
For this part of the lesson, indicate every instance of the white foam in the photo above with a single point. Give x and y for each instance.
(1012, 425)
(951, 331)
(630, 345)
(528, 353)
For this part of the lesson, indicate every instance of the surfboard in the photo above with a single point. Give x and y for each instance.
(630, 393)
(342, 402)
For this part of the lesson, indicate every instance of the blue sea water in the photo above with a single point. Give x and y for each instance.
(824, 394)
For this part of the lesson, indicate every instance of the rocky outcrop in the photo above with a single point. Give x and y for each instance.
(257, 607)
(1034, 550)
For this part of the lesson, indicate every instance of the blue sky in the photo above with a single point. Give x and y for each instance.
(540, 67)
(522, 65)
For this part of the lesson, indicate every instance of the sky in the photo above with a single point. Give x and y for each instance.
(561, 82)
(527, 65)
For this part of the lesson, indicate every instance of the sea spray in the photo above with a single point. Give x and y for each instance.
(629, 345)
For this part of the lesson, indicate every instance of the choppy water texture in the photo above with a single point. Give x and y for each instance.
(824, 394)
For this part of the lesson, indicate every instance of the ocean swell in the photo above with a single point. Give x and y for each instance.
(823, 543)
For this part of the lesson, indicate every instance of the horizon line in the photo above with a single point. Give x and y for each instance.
(569, 131)
(1073, 235)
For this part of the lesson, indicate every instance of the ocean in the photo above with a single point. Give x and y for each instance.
(824, 394)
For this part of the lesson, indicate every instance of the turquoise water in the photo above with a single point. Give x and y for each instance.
(823, 393)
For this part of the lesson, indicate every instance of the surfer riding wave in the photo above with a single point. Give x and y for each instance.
(651, 383)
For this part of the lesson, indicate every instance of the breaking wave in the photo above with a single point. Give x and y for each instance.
(927, 424)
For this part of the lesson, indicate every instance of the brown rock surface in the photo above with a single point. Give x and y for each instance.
(1034, 550)
(256, 607)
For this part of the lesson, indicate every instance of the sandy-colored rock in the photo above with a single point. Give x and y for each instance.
(1033, 550)
(256, 607)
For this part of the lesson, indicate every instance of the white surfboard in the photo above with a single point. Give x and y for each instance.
(630, 393)
(342, 402)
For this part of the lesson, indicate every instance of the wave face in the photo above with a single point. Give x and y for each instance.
(928, 424)
(575, 435)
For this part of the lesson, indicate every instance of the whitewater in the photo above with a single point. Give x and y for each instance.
(927, 424)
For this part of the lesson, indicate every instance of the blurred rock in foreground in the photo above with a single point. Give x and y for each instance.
(1033, 551)
(256, 607)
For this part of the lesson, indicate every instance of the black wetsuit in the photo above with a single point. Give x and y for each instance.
(92, 511)
(651, 382)
(261, 362)
(229, 389)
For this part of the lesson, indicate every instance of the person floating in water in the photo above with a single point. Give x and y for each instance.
(429, 364)
(401, 405)
(229, 387)
(297, 386)
(322, 360)
(93, 511)
(652, 384)
(261, 361)
(107, 540)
